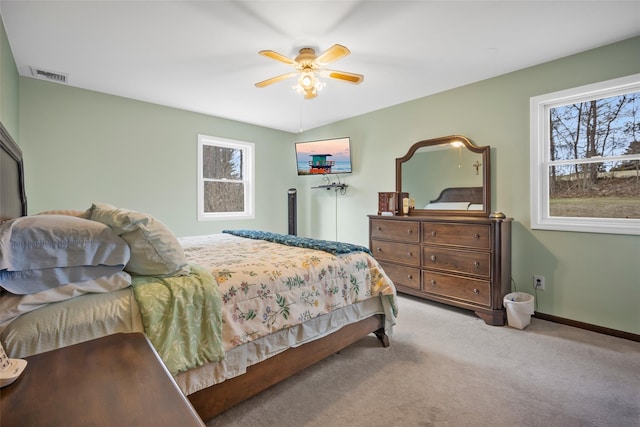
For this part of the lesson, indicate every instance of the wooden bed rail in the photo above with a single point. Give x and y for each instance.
(214, 400)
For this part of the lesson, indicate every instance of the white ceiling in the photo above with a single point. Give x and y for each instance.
(202, 56)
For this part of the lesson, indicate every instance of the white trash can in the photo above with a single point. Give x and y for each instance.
(519, 306)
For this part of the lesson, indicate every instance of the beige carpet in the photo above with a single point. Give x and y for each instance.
(446, 367)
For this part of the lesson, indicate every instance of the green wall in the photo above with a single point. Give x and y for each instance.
(82, 146)
(8, 86)
(592, 278)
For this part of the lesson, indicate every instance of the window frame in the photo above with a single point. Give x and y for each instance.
(248, 174)
(540, 152)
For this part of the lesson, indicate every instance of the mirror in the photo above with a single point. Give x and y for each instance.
(448, 175)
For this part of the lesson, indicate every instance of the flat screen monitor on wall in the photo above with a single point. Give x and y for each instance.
(323, 157)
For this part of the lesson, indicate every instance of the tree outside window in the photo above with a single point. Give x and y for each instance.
(225, 183)
(585, 158)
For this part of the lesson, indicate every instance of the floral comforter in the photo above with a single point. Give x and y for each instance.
(268, 286)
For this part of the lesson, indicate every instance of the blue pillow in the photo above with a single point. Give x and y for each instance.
(45, 251)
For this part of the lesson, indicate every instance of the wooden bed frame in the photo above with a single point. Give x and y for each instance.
(460, 194)
(13, 200)
(213, 400)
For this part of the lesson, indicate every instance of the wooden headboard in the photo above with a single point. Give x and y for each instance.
(460, 194)
(13, 200)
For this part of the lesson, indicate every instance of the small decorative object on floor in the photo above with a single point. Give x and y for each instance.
(10, 369)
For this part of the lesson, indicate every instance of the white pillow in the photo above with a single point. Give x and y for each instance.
(448, 206)
(40, 252)
(71, 212)
(11, 306)
(155, 250)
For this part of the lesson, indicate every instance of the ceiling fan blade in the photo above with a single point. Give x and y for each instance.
(344, 76)
(276, 79)
(334, 53)
(277, 56)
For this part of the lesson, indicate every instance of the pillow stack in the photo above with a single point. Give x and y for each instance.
(62, 254)
(41, 252)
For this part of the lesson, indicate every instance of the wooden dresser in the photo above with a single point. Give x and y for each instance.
(461, 261)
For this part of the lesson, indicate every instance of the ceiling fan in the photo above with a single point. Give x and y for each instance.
(308, 66)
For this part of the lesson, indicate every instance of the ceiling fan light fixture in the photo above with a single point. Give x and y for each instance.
(308, 66)
(307, 80)
(308, 84)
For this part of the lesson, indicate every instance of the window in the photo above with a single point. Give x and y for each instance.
(225, 179)
(585, 158)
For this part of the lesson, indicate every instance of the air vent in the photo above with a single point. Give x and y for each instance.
(49, 75)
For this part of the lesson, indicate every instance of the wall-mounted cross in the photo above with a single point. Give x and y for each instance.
(477, 165)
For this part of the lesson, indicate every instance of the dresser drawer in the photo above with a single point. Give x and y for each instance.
(464, 288)
(463, 261)
(402, 276)
(469, 235)
(402, 231)
(404, 253)
(477, 263)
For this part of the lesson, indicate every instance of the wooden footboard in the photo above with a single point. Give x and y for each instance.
(216, 399)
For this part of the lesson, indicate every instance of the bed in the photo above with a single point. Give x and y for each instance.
(230, 314)
(458, 198)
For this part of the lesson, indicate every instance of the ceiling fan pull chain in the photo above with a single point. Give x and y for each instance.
(301, 117)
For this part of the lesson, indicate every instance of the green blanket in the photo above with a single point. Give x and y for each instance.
(182, 317)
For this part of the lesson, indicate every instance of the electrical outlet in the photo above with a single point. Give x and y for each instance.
(538, 282)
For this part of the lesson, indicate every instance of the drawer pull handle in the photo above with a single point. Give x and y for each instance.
(476, 291)
(379, 228)
(410, 277)
(409, 231)
(379, 249)
(433, 283)
(434, 234)
(476, 264)
(434, 258)
(409, 253)
(476, 236)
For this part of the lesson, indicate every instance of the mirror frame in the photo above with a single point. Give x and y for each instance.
(486, 174)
